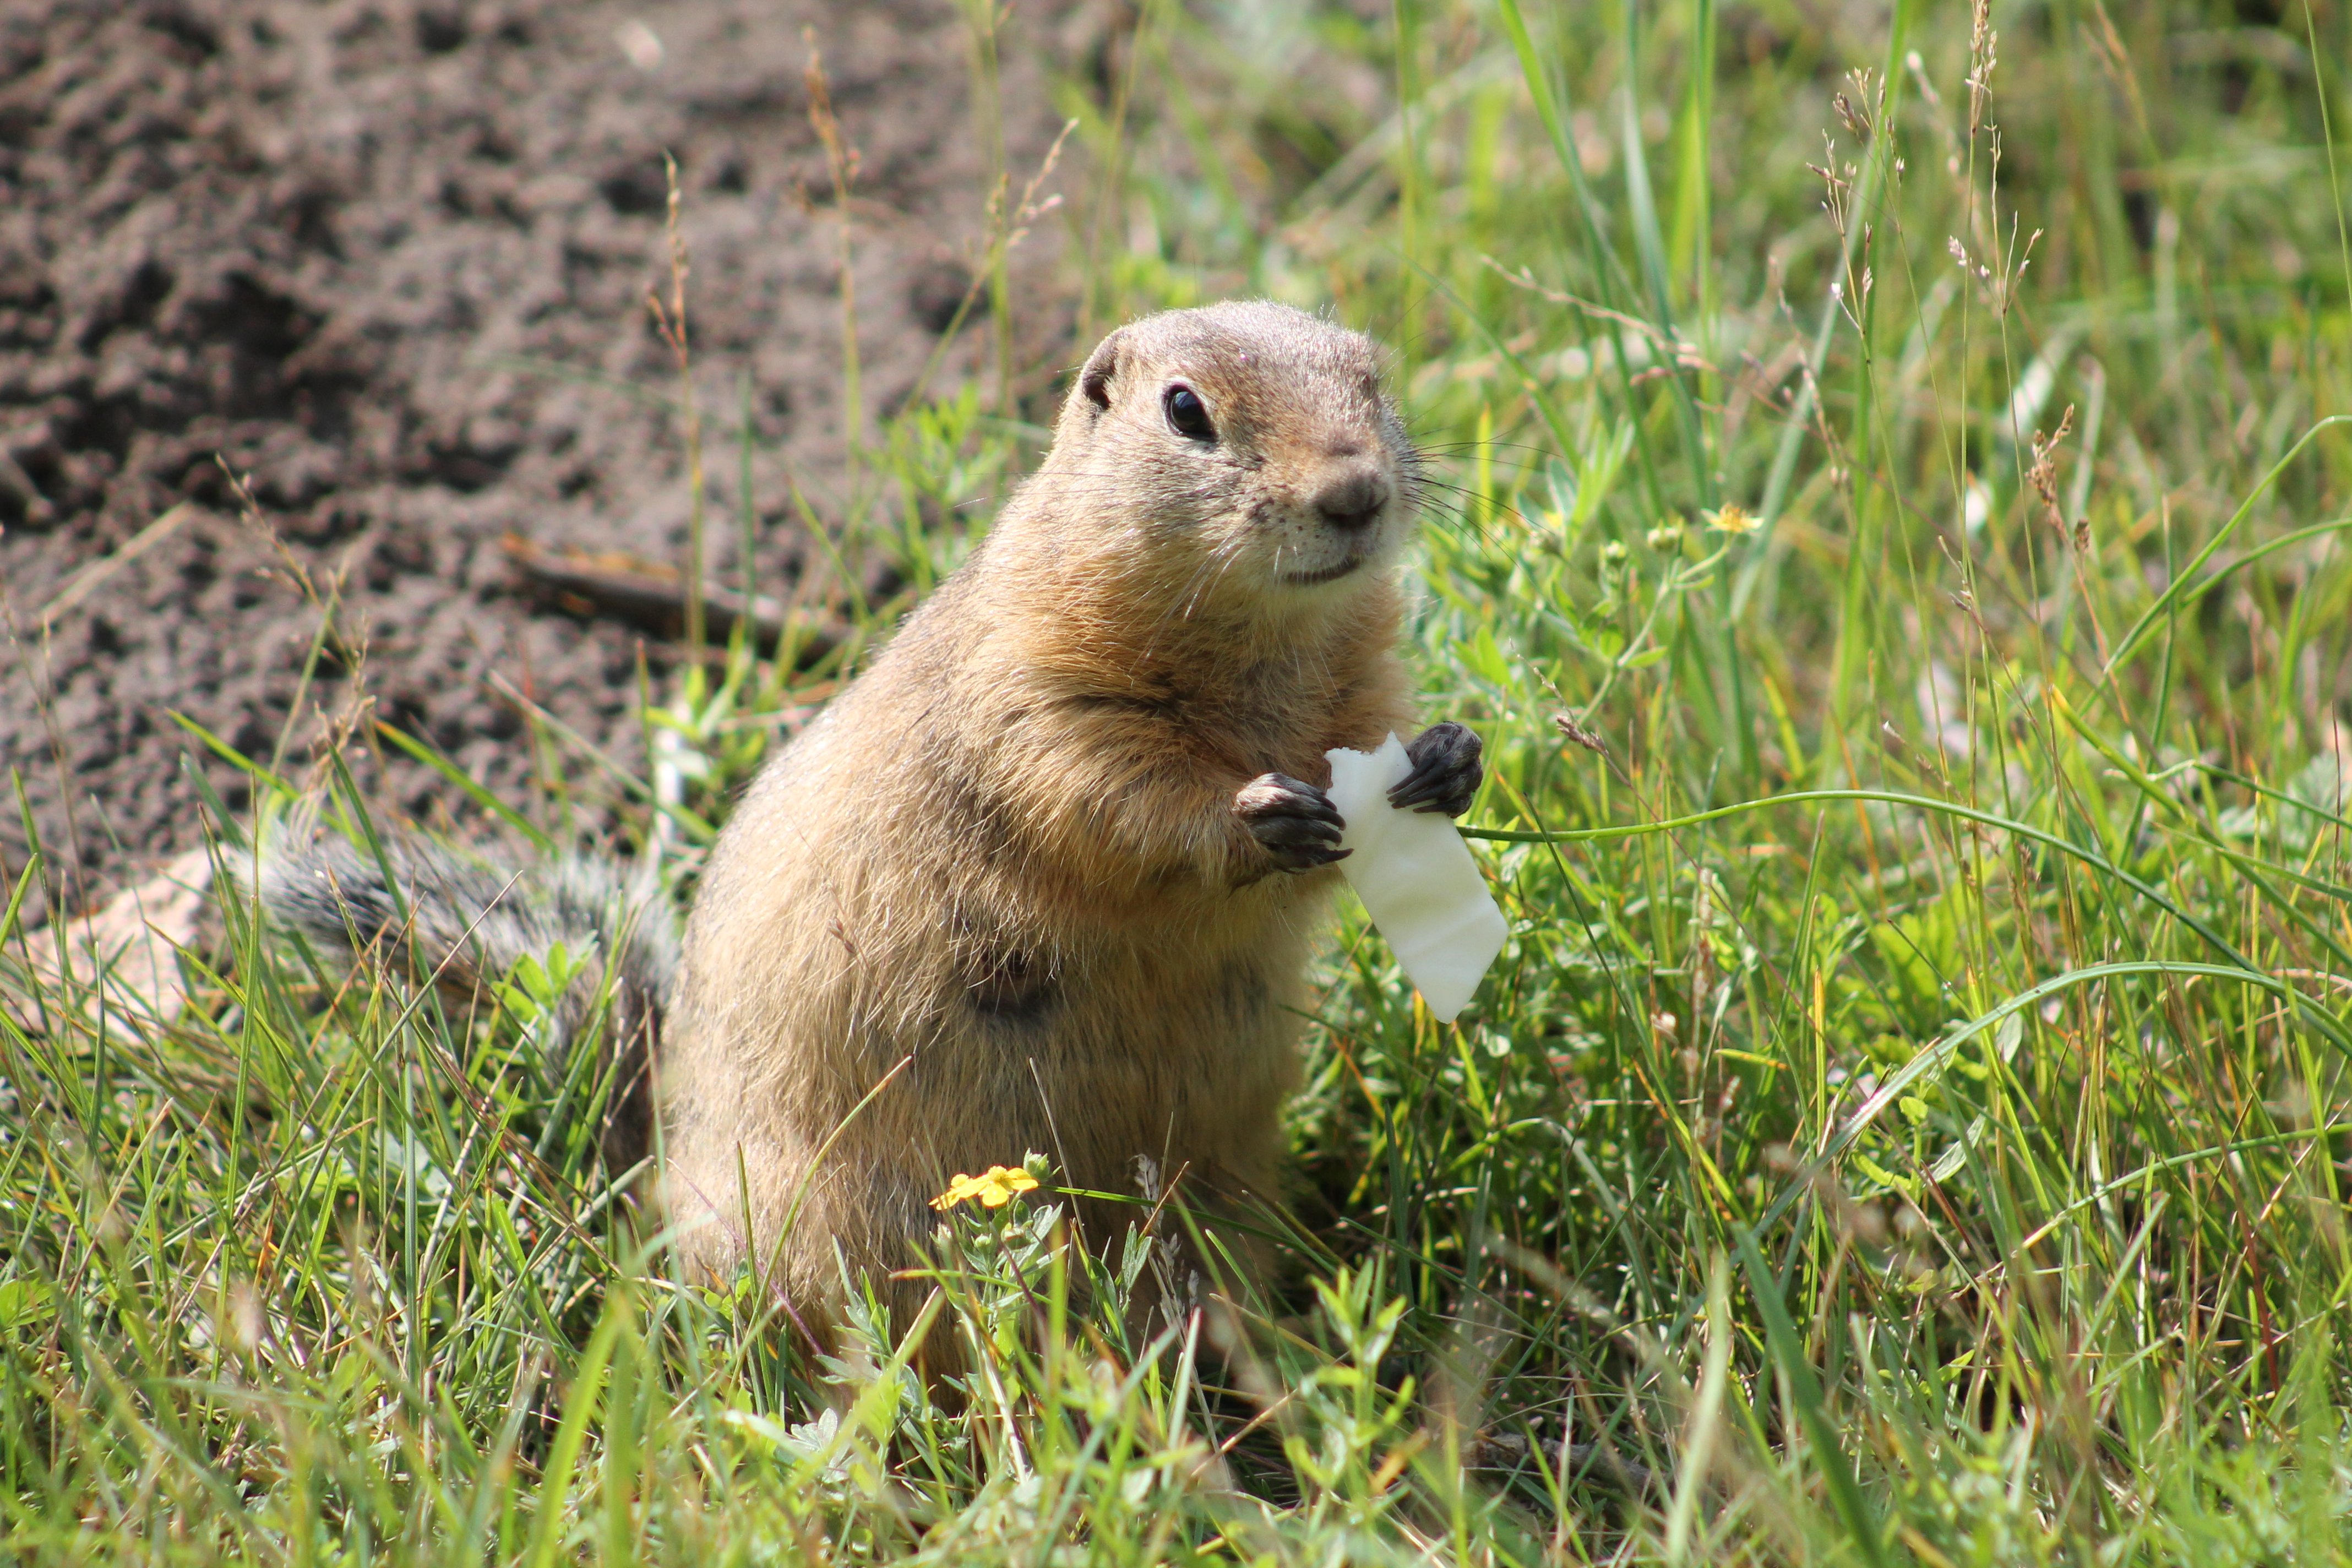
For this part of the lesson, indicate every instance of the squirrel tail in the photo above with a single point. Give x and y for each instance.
(465, 926)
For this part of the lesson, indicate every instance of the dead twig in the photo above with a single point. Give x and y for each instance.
(83, 582)
(612, 585)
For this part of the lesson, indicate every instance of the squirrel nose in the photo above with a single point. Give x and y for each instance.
(1353, 500)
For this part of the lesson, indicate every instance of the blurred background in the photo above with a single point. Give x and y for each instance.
(389, 263)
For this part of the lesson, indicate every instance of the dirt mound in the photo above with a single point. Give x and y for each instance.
(389, 259)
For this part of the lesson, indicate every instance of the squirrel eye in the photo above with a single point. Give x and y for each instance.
(1189, 414)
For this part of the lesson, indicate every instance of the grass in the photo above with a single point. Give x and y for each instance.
(1895, 551)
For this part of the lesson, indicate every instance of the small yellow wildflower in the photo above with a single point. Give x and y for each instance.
(994, 1187)
(1732, 519)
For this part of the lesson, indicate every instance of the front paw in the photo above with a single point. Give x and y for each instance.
(1294, 821)
(1446, 771)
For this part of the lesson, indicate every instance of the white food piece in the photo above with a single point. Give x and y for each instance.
(1417, 879)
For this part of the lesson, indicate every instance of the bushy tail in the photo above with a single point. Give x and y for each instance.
(465, 925)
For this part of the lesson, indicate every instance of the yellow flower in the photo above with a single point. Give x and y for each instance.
(994, 1187)
(1732, 519)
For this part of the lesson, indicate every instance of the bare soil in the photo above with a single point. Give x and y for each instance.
(390, 259)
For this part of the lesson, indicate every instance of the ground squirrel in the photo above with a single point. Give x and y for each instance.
(1058, 852)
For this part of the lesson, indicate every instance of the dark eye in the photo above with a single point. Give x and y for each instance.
(1189, 414)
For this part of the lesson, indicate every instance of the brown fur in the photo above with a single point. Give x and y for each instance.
(1008, 855)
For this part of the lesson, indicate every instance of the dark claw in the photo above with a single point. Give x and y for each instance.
(1289, 831)
(1295, 821)
(1308, 857)
(1446, 771)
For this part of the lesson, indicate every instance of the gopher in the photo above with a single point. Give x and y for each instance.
(1048, 872)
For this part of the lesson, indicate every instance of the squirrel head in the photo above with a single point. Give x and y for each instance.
(1239, 457)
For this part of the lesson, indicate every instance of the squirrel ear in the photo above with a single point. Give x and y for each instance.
(1102, 365)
